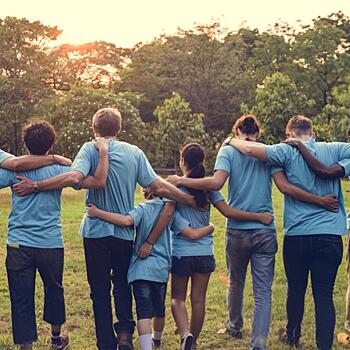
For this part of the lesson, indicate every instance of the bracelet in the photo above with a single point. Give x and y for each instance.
(152, 244)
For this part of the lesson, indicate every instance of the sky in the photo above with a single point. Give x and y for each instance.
(128, 22)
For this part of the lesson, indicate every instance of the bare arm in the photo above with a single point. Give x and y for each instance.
(163, 220)
(163, 188)
(99, 179)
(31, 162)
(324, 172)
(197, 233)
(328, 202)
(249, 148)
(211, 183)
(69, 178)
(114, 218)
(241, 215)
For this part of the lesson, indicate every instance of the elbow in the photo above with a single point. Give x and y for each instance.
(158, 188)
(75, 178)
(283, 189)
(128, 221)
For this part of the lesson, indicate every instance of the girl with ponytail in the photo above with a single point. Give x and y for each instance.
(193, 258)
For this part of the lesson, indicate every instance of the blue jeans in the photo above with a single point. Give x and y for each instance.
(22, 264)
(258, 247)
(319, 255)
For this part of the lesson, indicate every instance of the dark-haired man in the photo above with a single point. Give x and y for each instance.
(35, 241)
(312, 242)
(108, 248)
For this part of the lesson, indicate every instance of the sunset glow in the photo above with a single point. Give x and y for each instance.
(129, 22)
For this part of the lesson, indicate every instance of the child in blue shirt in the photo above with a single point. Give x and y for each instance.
(149, 277)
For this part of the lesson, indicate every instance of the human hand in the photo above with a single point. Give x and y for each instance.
(24, 187)
(101, 144)
(145, 250)
(293, 142)
(266, 218)
(91, 211)
(330, 202)
(62, 160)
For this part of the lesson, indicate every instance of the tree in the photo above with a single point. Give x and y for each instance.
(177, 125)
(24, 63)
(276, 101)
(71, 114)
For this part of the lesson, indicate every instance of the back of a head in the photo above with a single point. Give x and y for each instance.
(39, 136)
(299, 125)
(193, 156)
(246, 124)
(107, 122)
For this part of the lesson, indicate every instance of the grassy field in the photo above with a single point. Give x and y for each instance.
(80, 324)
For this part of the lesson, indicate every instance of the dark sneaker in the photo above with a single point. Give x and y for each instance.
(125, 341)
(186, 342)
(64, 343)
(236, 333)
(156, 343)
(283, 337)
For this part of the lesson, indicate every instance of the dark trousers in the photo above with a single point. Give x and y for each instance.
(22, 264)
(107, 262)
(320, 255)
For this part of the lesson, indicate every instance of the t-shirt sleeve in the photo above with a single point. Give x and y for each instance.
(179, 223)
(7, 178)
(276, 169)
(223, 159)
(345, 163)
(278, 155)
(145, 174)
(137, 214)
(215, 197)
(4, 155)
(343, 150)
(82, 161)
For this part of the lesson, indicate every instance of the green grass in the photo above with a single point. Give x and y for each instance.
(80, 324)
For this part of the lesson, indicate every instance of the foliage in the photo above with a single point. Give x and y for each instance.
(276, 101)
(177, 126)
(24, 63)
(71, 115)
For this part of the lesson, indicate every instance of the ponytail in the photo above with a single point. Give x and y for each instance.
(193, 156)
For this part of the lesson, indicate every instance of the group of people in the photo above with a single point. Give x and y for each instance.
(174, 235)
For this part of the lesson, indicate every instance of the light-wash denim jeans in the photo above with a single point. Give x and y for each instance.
(258, 247)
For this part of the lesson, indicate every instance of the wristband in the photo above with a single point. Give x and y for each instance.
(152, 244)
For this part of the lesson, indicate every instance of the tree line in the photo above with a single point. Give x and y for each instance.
(191, 85)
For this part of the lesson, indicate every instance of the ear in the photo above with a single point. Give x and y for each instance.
(313, 135)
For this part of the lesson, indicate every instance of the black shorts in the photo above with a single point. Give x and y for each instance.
(185, 266)
(150, 298)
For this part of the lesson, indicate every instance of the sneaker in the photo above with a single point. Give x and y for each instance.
(125, 341)
(283, 337)
(156, 343)
(236, 333)
(186, 342)
(64, 343)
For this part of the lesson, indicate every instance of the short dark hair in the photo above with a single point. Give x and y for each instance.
(300, 125)
(247, 124)
(39, 136)
(107, 121)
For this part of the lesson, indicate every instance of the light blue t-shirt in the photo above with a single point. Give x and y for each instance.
(249, 185)
(183, 246)
(301, 218)
(157, 266)
(35, 220)
(4, 155)
(127, 166)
